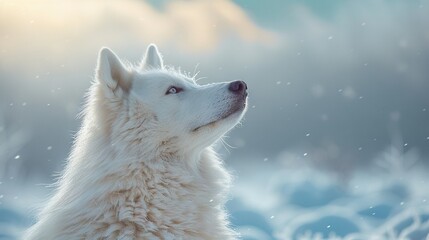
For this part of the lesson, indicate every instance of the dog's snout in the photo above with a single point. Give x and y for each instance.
(238, 87)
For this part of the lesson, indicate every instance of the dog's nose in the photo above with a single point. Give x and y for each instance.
(238, 87)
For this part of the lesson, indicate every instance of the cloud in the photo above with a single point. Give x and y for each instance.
(55, 29)
(347, 73)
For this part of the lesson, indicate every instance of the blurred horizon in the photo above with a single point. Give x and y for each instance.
(334, 86)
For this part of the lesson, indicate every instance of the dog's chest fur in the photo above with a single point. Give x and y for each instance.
(166, 203)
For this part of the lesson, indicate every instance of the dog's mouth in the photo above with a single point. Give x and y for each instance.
(240, 106)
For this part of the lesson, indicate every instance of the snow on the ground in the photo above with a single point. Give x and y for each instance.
(387, 202)
(274, 201)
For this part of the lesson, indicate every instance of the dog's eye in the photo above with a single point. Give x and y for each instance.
(173, 90)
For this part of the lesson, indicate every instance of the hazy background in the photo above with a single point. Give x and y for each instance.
(338, 90)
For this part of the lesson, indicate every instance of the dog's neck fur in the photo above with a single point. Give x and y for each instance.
(137, 191)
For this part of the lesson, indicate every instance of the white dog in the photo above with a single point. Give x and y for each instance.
(142, 166)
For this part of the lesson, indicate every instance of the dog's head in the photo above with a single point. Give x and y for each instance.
(154, 102)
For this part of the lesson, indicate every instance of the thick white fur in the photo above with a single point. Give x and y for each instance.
(142, 166)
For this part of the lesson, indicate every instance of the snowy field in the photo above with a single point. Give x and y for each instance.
(388, 202)
(283, 201)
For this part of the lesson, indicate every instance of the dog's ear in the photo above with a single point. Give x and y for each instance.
(111, 71)
(152, 58)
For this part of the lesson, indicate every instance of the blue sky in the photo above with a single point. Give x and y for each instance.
(269, 12)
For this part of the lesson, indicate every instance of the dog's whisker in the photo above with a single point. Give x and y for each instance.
(195, 73)
(227, 145)
(200, 78)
